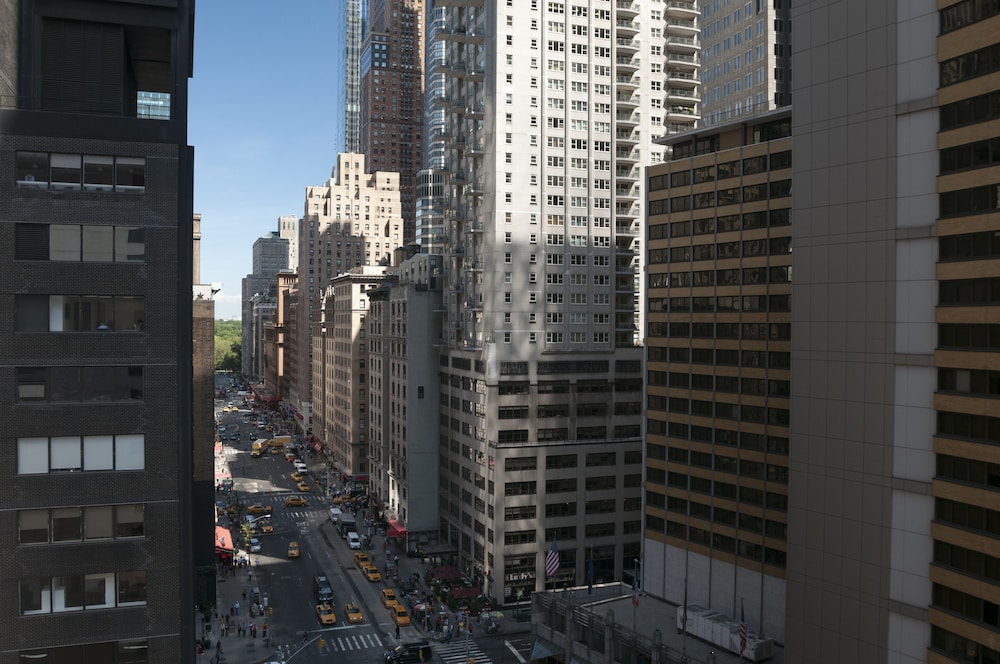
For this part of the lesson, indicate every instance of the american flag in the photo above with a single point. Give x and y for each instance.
(552, 559)
(743, 630)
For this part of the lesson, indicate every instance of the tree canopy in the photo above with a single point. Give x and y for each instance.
(228, 345)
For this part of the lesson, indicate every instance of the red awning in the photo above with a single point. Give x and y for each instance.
(316, 445)
(395, 530)
(223, 540)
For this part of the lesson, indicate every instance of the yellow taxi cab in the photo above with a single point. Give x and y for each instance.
(325, 614)
(296, 477)
(362, 559)
(399, 615)
(293, 549)
(258, 508)
(302, 486)
(296, 501)
(275, 451)
(371, 573)
(389, 598)
(266, 527)
(353, 613)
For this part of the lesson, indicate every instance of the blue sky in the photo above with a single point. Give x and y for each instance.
(261, 122)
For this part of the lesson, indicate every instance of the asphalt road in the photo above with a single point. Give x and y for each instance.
(287, 583)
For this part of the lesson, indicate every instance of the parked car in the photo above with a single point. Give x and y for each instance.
(254, 545)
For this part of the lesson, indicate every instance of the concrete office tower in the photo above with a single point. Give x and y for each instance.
(270, 256)
(745, 54)
(719, 310)
(893, 505)
(392, 87)
(403, 380)
(340, 373)
(98, 494)
(552, 107)
(351, 221)
(288, 229)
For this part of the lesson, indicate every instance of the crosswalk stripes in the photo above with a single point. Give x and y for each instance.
(354, 642)
(455, 653)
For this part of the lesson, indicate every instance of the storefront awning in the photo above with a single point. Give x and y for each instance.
(395, 529)
(316, 445)
(223, 540)
(543, 649)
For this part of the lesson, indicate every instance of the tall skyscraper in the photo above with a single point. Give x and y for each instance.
(355, 26)
(96, 233)
(717, 375)
(392, 84)
(743, 60)
(270, 255)
(551, 108)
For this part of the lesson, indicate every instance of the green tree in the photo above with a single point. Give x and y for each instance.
(228, 345)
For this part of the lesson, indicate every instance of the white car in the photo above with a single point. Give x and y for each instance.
(254, 545)
(353, 541)
(301, 468)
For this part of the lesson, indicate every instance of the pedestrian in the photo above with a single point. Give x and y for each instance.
(397, 632)
(244, 593)
(396, 561)
(253, 630)
(265, 629)
(237, 605)
(243, 629)
(232, 609)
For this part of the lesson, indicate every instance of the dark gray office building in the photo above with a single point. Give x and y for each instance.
(97, 559)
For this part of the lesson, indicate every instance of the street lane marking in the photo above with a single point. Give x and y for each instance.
(510, 647)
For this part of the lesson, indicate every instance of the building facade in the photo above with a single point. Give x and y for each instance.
(718, 369)
(403, 374)
(340, 373)
(892, 539)
(270, 255)
(351, 221)
(392, 85)
(743, 60)
(96, 232)
(551, 113)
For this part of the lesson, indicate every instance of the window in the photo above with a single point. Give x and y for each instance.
(75, 172)
(73, 242)
(78, 313)
(80, 592)
(73, 524)
(79, 384)
(38, 455)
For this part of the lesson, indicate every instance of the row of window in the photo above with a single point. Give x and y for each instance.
(559, 434)
(771, 500)
(81, 592)
(721, 357)
(775, 246)
(972, 562)
(745, 331)
(980, 154)
(969, 381)
(602, 409)
(722, 171)
(720, 197)
(78, 313)
(722, 224)
(974, 608)
(969, 246)
(78, 243)
(972, 110)
(68, 454)
(767, 131)
(75, 524)
(738, 547)
(967, 12)
(563, 387)
(720, 463)
(964, 202)
(778, 274)
(44, 170)
(969, 337)
(714, 383)
(79, 384)
(960, 648)
(753, 442)
(963, 425)
(722, 303)
(969, 291)
(980, 62)
(968, 471)
(967, 517)
(723, 516)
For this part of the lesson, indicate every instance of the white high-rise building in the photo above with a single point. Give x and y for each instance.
(552, 108)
